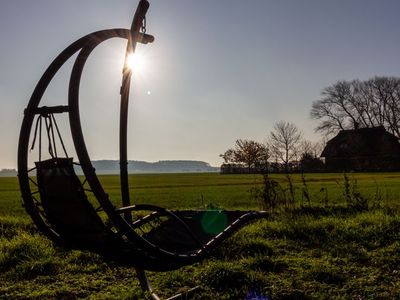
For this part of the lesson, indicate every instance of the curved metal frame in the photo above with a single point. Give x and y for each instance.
(85, 46)
(136, 250)
(158, 259)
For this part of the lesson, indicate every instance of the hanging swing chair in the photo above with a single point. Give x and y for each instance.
(143, 236)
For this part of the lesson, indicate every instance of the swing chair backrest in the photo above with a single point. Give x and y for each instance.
(67, 208)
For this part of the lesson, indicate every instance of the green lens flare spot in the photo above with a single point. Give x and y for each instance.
(214, 221)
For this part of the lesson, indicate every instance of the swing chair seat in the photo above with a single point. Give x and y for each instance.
(210, 227)
(186, 237)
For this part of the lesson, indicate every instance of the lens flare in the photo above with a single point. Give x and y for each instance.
(214, 221)
(136, 62)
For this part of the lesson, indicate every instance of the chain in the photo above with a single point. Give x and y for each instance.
(143, 27)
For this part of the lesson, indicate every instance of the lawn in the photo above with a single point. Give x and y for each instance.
(320, 246)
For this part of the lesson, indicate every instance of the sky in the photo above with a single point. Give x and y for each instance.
(218, 71)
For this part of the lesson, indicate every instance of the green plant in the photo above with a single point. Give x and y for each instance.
(289, 192)
(353, 196)
(305, 192)
(270, 194)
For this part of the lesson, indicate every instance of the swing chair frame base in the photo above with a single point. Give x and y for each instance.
(147, 287)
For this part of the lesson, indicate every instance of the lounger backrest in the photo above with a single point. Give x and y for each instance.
(67, 207)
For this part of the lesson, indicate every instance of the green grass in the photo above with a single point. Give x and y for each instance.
(315, 250)
(232, 191)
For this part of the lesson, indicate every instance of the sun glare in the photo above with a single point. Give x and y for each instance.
(136, 62)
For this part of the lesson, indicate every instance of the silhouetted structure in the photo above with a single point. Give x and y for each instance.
(242, 169)
(56, 198)
(364, 149)
(311, 163)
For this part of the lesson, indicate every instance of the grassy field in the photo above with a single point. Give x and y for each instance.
(321, 246)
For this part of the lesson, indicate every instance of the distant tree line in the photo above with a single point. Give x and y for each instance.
(285, 151)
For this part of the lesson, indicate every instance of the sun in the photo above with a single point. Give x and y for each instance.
(136, 62)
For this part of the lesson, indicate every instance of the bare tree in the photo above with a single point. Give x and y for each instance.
(284, 142)
(353, 104)
(251, 154)
(312, 148)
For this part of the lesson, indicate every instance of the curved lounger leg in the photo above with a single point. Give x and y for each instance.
(183, 295)
(146, 287)
(145, 284)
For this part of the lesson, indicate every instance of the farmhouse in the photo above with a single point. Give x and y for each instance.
(363, 149)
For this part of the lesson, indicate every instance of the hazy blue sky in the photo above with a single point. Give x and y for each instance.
(219, 69)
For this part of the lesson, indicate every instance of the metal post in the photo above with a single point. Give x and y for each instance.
(140, 14)
(145, 284)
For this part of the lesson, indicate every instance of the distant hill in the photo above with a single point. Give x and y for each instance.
(134, 166)
(8, 172)
(163, 166)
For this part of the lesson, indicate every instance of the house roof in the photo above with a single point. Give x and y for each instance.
(375, 141)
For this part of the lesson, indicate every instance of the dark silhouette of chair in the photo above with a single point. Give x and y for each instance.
(146, 237)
